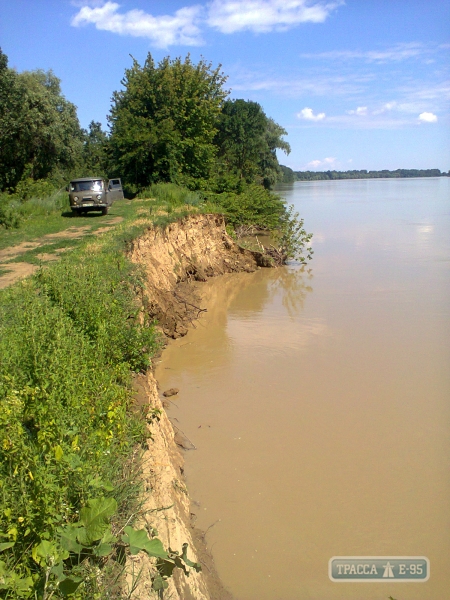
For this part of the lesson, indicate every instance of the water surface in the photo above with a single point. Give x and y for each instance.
(318, 398)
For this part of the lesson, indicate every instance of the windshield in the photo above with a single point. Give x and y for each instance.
(96, 185)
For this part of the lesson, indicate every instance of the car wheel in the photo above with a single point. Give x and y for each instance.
(105, 210)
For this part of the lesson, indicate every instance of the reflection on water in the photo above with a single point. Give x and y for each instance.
(321, 417)
(295, 284)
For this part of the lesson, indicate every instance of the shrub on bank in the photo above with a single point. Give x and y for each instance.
(171, 194)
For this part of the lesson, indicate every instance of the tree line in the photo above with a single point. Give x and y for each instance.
(171, 122)
(289, 175)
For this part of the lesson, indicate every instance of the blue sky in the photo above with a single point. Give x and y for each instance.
(360, 84)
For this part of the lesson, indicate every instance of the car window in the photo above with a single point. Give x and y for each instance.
(96, 185)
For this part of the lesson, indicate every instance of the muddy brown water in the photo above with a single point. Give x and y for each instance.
(318, 399)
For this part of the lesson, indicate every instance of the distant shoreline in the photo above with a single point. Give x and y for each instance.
(290, 176)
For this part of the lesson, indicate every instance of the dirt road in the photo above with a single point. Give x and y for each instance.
(10, 272)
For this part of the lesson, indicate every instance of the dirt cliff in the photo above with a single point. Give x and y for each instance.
(173, 259)
(193, 249)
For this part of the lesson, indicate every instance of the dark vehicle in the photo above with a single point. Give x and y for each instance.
(93, 193)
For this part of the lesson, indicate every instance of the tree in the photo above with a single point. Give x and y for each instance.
(164, 121)
(95, 148)
(288, 174)
(247, 140)
(240, 138)
(269, 166)
(10, 108)
(39, 129)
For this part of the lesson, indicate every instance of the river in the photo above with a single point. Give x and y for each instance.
(318, 398)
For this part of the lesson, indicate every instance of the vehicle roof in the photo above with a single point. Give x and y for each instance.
(84, 179)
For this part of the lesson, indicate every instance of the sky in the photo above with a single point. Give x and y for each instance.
(357, 84)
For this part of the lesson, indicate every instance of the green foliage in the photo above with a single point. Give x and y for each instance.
(39, 129)
(77, 548)
(164, 122)
(255, 206)
(15, 209)
(68, 338)
(241, 137)
(247, 141)
(95, 150)
(166, 566)
(364, 174)
(112, 318)
(270, 169)
(139, 540)
(258, 209)
(292, 238)
(28, 188)
(288, 174)
(10, 217)
(171, 194)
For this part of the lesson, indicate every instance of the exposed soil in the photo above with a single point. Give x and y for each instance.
(19, 270)
(191, 250)
(15, 271)
(174, 259)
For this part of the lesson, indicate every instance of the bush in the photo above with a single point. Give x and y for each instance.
(171, 194)
(255, 206)
(292, 238)
(10, 217)
(29, 188)
(259, 209)
(14, 210)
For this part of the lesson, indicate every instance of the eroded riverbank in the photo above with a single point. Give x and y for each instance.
(173, 260)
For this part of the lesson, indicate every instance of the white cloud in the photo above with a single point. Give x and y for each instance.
(229, 16)
(183, 27)
(387, 106)
(326, 163)
(346, 121)
(396, 53)
(308, 114)
(165, 30)
(297, 87)
(361, 111)
(428, 117)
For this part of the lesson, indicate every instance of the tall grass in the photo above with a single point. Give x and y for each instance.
(171, 194)
(14, 210)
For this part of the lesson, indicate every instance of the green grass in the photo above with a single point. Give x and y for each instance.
(35, 227)
(172, 195)
(69, 338)
(38, 225)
